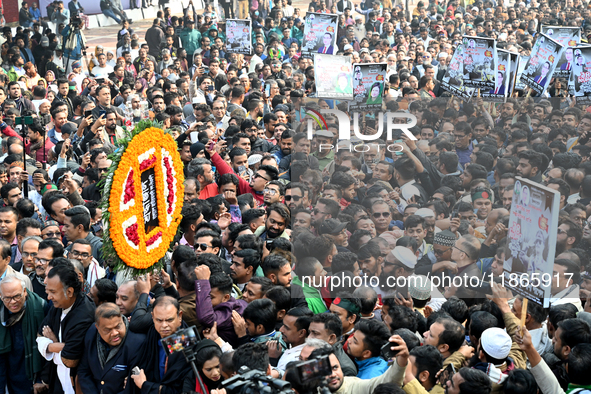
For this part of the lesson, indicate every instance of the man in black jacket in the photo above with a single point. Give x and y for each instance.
(111, 352)
(161, 373)
(25, 18)
(63, 330)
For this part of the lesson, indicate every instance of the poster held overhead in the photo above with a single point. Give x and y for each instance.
(333, 76)
(480, 57)
(368, 86)
(453, 80)
(581, 73)
(502, 78)
(533, 226)
(569, 37)
(238, 34)
(542, 63)
(320, 34)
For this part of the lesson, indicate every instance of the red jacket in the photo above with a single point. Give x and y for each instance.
(243, 187)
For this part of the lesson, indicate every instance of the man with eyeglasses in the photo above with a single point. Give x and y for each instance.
(399, 263)
(81, 250)
(77, 226)
(295, 196)
(207, 241)
(274, 193)
(324, 209)
(21, 309)
(465, 254)
(47, 250)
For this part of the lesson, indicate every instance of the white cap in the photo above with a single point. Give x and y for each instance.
(253, 159)
(199, 100)
(403, 255)
(425, 212)
(475, 9)
(347, 47)
(442, 54)
(496, 343)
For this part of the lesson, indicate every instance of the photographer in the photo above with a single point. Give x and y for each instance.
(61, 14)
(74, 43)
(336, 382)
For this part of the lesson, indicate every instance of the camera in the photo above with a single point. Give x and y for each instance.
(75, 21)
(255, 382)
(181, 340)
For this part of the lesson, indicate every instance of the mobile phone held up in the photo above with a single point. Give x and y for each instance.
(267, 90)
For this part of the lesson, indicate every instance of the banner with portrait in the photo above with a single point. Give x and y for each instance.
(480, 57)
(502, 78)
(368, 86)
(542, 63)
(238, 36)
(533, 227)
(333, 76)
(581, 72)
(453, 80)
(568, 37)
(519, 85)
(320, 34)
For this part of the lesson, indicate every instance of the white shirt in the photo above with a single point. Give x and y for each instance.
(102, 72)
(288, 356)
(570, 295)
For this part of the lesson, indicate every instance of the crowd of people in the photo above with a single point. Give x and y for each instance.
(293, 246)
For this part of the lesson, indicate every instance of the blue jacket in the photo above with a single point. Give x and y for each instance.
(94, 379)
(76, 52)
(371, 368)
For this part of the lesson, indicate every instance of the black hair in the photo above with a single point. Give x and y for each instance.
(262, 312)
(255, 356)
(273, 263)
(67, 274)
(481, 321)
(452, 334)
(56, 247)
(221, 281)
(428, 358)
(573, 332)
(522, 381)
(376, 335)
(281, 296)
(402, 317)
(456, 308)
(79, 215)
(106, 290)
(579, 364)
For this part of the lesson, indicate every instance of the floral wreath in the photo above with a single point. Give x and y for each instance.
(146, 168)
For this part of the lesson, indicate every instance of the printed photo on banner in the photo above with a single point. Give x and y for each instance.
(531, 241)
(368, 86)
(569, 37)
(320, 34)
(480, 56)
(582, 74)
(238, 33)
(502, 78)
(333, 76)
(453, 80)
(542, 63)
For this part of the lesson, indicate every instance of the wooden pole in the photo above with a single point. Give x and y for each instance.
(523, 311)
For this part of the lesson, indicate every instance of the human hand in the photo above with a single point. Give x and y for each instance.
(143, 284)
(454, 225)
(230, 196)
(24, 176)
(225, 220)
(101, 121)
(239, 324)
(401, 300)
(523, 339)
(85, 160)
(399, 346)
(274, 349)
(48, 333)
(166, 283)
(40, 388)
(65, 147)
(211, 333)
(202, 272)
(139, 379)
(467, 351)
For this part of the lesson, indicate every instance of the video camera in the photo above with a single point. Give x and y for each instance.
(75, 21)
(255, 382)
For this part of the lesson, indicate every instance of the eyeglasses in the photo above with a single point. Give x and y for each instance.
(380, 214)
(295, 198)
(585, 223)
(83, 255)
(203, 247)
(317, 211)
(440, 252)
(103, 170)
(461, 250)
(57, 234)
(270, 191)
(41, 261)
(27, 255)
(15, 298)
(561, 231)
(257, 175)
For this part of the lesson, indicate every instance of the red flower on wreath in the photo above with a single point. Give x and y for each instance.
(132, 234)
(129, 189)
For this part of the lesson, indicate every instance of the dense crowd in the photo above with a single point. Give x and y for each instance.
(293, 247)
